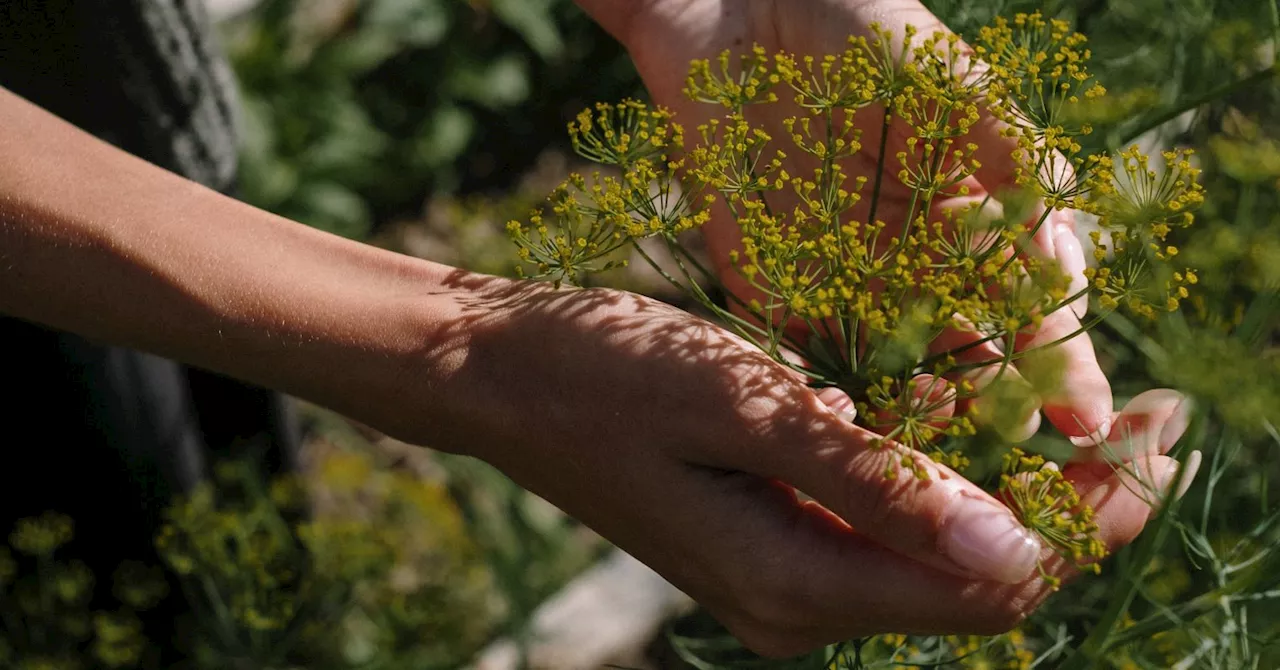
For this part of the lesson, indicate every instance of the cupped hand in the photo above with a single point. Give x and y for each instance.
(671, 437)
(664, 36)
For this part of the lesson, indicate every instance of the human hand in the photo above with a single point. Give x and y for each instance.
(663, 36)
(672, 437)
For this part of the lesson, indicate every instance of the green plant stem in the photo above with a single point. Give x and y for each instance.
(1240, 588)
(1125, 328)
(875, 185)
(1273, 8)
(1021, 245)
(1114, 143)
(740, 326)
(1091, 651)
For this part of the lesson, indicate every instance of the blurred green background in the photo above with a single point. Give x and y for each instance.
(359, 112)
(424, 125)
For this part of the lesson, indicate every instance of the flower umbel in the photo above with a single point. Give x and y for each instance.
(1046, 503)
(861, 273)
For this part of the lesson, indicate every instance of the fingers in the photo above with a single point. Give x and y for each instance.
(839, 402)
(932, 402)
(1125, 496)
(1082, 399)
(1070, 256)
(1076, 394)
(1149, 424)
(797, 576)
(1059, 359)
(615, 16)
(892, 496)
(1005, 401)
(828, 583)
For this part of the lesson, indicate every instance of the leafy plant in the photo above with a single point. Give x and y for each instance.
(860, 291)
(357, 111)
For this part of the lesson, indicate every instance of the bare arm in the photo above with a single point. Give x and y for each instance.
(664, 433)
(95, 241)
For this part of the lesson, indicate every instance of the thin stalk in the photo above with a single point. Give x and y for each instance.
(740, 326)
(1092, 650)
(1080, 331)
(1273, 8)
(875, 185)
(1173, 112)
(722, 313)
(1029, 238)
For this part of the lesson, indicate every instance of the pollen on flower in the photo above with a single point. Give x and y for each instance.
(863, 292)
(1048, 505)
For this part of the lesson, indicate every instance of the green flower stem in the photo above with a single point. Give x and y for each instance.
(830, 337)
(1126, 137)
(1273, 9)
(741, 327)
(1093, 649)
(1021, 247)
(702, 297)
(1079, 331)
(1261, 573)
(221, 615)
(927, 362)
(1128, 330)
(681, 253)
(885, 123)
(849, 323)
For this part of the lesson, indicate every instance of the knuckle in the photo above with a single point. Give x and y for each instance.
(867, 490)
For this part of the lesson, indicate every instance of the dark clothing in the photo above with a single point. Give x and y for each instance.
(144, 75)
(104, 434)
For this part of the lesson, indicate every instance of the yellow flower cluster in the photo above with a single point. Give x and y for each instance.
(371, 568)
(41, 536)
(1004, 652)
(47, 603)
(381, 546)
(859, 270)
(597, 216)
(1138, 207)
(1047, 504)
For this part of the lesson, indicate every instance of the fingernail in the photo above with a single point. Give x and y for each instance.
(1071, 259)
(1064, 219)
(1024, 431)
(1140, 433)
(1176, 425)
(841, 404)
(1094, 439)
(1188, 474)
(1165, 480)
(985, 539)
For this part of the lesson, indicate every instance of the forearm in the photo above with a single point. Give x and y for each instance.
(100, 243)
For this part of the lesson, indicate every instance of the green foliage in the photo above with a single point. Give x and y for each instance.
(49, 617)
(355, 121)
(357, 110)
(372, 568)
(833, 268)
(1198, 589)
(380, 572)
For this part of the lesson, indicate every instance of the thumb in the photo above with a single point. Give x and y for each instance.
(899, 498)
